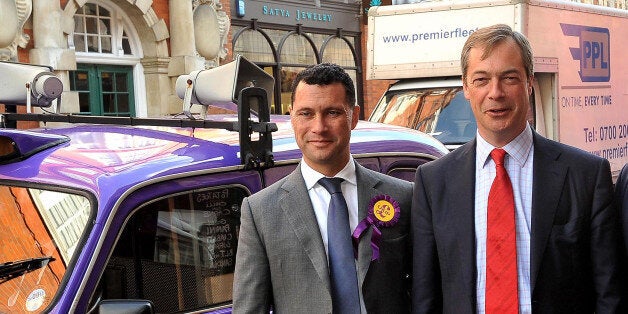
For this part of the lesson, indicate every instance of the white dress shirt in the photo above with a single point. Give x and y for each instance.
(518, 163)
(320, 197)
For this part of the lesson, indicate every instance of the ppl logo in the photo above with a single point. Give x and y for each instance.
(593, 53)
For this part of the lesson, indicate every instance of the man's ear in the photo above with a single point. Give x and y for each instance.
(355, 116)
(465, 90)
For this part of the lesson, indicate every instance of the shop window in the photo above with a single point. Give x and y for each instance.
(254, 47)
(178, 252)
(296, 49)
(338, 51)
(288, 74)
(287, 52)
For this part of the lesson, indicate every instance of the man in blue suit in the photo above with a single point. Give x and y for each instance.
(565, 222)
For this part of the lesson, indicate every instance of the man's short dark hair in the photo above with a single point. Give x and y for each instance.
(326, 74)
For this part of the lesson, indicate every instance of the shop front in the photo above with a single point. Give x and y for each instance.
(284, 37)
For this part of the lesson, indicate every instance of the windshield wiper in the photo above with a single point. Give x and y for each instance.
(10, 270)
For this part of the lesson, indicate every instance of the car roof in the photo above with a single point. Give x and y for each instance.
(113, 158)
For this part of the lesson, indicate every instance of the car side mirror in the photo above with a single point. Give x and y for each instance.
(122, 306)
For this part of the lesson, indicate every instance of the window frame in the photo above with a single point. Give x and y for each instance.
(245, 191)
(95, 90)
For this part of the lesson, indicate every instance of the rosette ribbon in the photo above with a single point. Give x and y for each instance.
(383, 211)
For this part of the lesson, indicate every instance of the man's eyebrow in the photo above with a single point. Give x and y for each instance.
(511, 71)
(479, 72)
(502, 73)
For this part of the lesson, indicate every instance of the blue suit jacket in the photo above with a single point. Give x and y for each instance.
(575, 236)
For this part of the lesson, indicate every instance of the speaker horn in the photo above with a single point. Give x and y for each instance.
(17, 80)
(224, 83)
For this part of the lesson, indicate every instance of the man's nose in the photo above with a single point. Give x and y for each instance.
(496, 89)
(319, 124)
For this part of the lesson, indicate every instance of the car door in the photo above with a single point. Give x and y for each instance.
(176, 244)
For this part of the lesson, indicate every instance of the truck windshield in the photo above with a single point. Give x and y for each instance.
(41, 231)
(441, 112)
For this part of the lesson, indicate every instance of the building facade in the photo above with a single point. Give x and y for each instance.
(122, 57)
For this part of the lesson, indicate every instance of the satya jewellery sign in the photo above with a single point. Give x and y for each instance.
(333, 16)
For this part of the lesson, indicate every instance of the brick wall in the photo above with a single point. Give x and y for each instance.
(372, 89)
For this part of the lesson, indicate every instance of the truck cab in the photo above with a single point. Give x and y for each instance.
(436, 107)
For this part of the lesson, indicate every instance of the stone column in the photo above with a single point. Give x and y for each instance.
(51, 48)
(184, 58)
(181, 28)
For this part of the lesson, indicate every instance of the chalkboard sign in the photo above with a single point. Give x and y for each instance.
(221, 210)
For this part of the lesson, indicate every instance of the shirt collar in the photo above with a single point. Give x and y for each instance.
(518, 149)
(312, 176)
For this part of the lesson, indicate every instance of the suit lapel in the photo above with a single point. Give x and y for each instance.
(296, 205)
(548, 175)
(366, 191)
(460, 212)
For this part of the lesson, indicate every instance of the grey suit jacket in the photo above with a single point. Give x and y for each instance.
(575, 237)
(281, 259)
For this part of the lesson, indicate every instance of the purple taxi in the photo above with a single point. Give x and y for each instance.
(100, 218)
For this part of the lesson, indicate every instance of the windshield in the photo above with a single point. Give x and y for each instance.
(441, 112)
(41, 230)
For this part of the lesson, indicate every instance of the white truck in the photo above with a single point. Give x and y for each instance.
(581, 75)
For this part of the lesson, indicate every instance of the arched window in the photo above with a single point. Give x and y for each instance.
(108, 62)
(254, 46)
(337, 49)
(100, 30)
(297, 50)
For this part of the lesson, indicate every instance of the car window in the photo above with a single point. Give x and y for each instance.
(369, 163)
(274, 174)
(441, 112)
(178, 252)
(456, 123)
(402, 167)
(41, 230)
(403, 173)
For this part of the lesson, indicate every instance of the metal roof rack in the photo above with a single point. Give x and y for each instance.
(239, 81)
(253, 153)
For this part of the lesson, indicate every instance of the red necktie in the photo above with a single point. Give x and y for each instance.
(501, 247)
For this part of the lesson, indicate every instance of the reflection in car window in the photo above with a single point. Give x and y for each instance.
(65, 215)
(456, 123)
(178, 252)
(441, 112)
(41, 230)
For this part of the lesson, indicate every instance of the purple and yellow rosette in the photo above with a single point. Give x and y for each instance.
(383, 211)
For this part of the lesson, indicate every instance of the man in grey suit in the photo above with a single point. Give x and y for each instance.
(564, 223)
(282, 258)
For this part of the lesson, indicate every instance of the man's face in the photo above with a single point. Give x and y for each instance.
(498, 89)
(322, 123)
